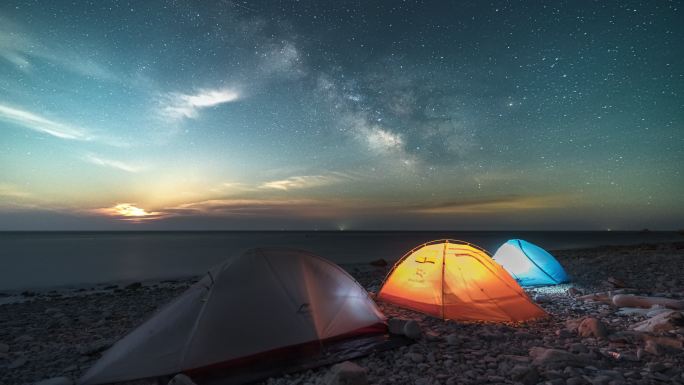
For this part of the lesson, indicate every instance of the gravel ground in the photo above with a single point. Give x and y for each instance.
(61, 333)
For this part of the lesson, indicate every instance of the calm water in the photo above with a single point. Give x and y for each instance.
(41, 259)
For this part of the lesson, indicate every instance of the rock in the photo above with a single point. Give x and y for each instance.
(526, 374)
(55, 381)
(422, 381)
(453, 339)
(665, 321)
(653, 348)
(578, 348)
(556, 358)
(95, 347)
(573, 324)
(23, 338)
(396, 325)
(181, 379)
(542, 298)
(415, 357)
(133, 286)
(379, 263)
(591, 327)
(575, 381)
(623, 300)
(412, 330)
(655, 310)
(19, 362)
(573, 291)
(616, 283)
(4, 348)
(346, 373)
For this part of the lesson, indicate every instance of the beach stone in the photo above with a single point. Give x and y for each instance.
(415, 357)
(133, 286)
(346, 373)
(556, 358)
(575, 381)
(525, 374)
(453, 339)
(181, 379)
(412, 330)
(95, 347)
(23, 338)
(379, 263)
(19, 362)
(396, 325)
(578, 348)
(592, 327)
(542, 298)
(55, 381)
(664, 321)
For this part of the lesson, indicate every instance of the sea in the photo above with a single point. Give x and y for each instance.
(41, 260)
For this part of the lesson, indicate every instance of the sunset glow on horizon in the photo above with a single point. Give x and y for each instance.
(307, 115)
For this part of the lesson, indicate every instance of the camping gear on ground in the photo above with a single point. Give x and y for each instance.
(456, 280)
(529, 264)
(262, 305)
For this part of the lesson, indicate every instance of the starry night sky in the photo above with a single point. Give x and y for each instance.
(341, 115)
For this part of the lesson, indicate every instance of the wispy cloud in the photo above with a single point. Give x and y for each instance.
(304, 181)
(11, 191)
(129, 212)
(38, 123)
(119, 165)
(21, 49)
(493, 205)
(254, 208)
(178, 106)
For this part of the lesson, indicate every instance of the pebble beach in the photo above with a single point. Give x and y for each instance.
(56, 335)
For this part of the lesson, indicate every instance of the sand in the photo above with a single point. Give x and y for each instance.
(61, 333)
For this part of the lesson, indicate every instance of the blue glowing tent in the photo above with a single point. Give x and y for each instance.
(529, 264)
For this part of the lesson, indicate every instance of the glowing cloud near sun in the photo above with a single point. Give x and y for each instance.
(128, 211)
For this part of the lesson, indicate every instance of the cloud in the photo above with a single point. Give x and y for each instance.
(20, 49)
(38, 123)
(178, 106)
(494, 205)
(129, 212)
(11, 191)
(303, 182)
(253, 208)
(123, 166)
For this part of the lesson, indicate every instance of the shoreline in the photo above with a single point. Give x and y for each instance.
(51, 333)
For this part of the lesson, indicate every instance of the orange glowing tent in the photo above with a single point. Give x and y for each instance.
(457, 280)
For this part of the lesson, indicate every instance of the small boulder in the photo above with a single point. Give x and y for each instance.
(19, 362)
(412, 330)
(556, 358)
(452, 339)
(55, 381)
(133, 286)
(379, 263)
(181, 379)
(526, 374)
(591, 327)
(346, 373)
(661, 322)
(542, 298)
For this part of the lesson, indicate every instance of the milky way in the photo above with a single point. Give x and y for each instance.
(355, 115)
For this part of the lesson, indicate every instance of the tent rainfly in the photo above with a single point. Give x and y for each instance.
(529, 264)
(456, 280)
(262, 303)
